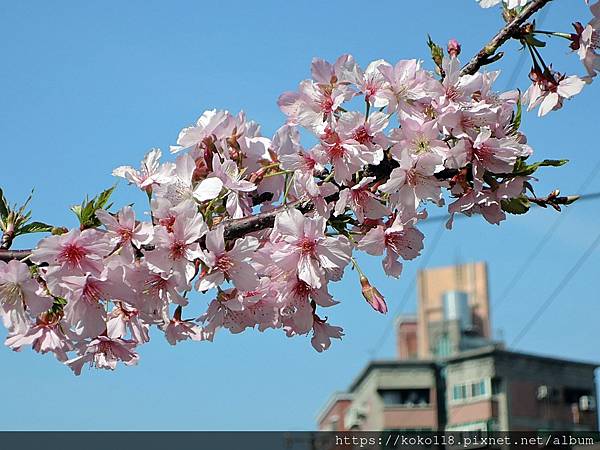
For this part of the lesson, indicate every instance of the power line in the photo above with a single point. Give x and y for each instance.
(546, 238)
(570, 274)
(407, 293)
(582, 198)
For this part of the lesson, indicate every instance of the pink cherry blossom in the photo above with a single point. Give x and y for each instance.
(19, 293)
(362, 201)
(123, 228)
(45, 336)
(151, 174)
(104, 353)
(308, 251)
(323, 333)
(177, 250)
(414, 181)
(233, 264)
(74, 253)
(398, 239)
(549, 93)
(124, 320)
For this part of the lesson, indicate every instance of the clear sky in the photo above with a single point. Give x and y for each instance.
(88, 86)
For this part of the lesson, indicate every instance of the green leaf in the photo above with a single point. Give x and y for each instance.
(535, 42)
(86, 211)
(517, 205)
(523, 169)
(437, 53)
(34, 227)
(3, 206)
(516, 121)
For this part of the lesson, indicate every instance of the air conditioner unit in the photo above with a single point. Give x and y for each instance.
(587, 403)
(542, 392)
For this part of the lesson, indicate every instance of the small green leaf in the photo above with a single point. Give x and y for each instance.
(516, 121)
(437, 53)
(86, 211)
(517, 205)
(34, 227)
(3, 206)
(535, 42)
(523, 169)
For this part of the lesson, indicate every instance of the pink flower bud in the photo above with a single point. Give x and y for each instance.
(453, 48)
(373, 296)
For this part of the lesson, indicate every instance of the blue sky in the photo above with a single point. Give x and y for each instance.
(86, 87)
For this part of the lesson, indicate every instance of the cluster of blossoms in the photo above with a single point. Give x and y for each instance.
(91, 294)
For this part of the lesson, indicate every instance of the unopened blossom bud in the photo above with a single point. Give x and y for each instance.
(57, 231)
(453, 48)
(373, 296)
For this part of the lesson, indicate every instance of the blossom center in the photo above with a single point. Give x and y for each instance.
(307, 246)
(178, 249)
(224, 263)
(72, 254)
(362, 135)
(336, 151)
(421, 144)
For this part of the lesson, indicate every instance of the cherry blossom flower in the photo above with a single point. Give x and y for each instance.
(123, 320)
(586, 42)
(407, 85)
(345, 154)
(182, 186)
(232, 264)
(418, 139)
(308, 251)
(414, 181)
(45, 336)
(20, 293)
(229, 174)
(123, 228)
(74, 253)
(496, 155)
(176, 250)
(151, 174)
(549, 92)
(323, 333)
(177, 330)
(366, 131)
(85, 310)
(104, 353)
(398, 239)
(362, 201)
(211, 124)
(372, 83)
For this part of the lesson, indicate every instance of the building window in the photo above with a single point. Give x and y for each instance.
(405, 397)
(472, 390)
(459, 392)
(478, 389)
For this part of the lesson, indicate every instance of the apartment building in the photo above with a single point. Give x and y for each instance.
(457, 378)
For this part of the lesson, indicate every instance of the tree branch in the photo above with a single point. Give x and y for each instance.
(235, 228)
(510, 30)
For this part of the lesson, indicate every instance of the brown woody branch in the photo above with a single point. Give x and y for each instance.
(510, 30)
(235, 228)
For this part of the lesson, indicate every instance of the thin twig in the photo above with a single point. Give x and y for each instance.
(509, 31)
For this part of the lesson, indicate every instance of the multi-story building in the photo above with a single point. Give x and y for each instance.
(450, 375)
